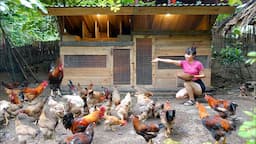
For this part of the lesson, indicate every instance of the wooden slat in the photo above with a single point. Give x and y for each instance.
(191, 10)
(180, 52)
(87, 80)
(100, 72)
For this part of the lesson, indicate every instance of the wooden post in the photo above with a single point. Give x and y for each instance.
(120, 27)
(107, 28)
(96, 29)
(83, 30)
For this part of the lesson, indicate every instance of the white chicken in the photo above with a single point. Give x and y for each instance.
(24, 128)
(124, 107)
(74, 104)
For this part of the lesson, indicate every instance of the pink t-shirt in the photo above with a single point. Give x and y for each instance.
(193, 68)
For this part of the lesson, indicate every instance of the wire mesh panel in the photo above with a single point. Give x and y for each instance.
(143, 61)
(87, 61)
(121, 58)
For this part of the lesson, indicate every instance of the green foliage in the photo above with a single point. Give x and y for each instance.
(222, 17)
(22, 23)
(252, 58)
(234, 2)
(229, 56)
(248, 129)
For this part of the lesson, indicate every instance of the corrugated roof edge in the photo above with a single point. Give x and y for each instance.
(162, 5)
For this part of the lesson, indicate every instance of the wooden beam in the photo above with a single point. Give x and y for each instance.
(108, 28)
(188, 10)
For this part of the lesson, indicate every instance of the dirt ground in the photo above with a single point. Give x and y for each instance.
(188, 128)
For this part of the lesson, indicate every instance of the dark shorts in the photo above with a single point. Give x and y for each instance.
(201, 83)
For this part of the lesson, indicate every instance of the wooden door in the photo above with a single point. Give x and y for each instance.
(121, 65)
(143, 61)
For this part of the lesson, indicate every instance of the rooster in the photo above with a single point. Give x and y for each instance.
(218, 126)
(147, 131)
(55, 77)
(223, 107)
(167, 117)
(113, 120)
(79, 124)
(85, 137)
(29, 94)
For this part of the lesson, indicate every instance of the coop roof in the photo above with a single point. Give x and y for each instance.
(187, 9)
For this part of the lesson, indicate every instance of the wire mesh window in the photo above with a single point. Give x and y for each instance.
(202, 58)
(86, 61)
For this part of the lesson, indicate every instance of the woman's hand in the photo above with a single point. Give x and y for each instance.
(155, 60)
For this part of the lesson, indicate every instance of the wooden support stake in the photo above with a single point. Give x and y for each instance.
(26, 64)
(21, 68)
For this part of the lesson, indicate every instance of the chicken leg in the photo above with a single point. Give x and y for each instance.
(6, 118)
(224, 140)
(150, 141)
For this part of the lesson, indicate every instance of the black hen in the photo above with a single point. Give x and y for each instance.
(167, 117)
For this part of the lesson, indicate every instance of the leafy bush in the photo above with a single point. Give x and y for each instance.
(252, 58)
(231, 56)
(248, 129)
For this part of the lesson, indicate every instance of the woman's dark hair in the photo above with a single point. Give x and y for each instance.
(191, 50)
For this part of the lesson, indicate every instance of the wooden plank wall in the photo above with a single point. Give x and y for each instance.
(161, 46)
(175, 46)
(85, 76)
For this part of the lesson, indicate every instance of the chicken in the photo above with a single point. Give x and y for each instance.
(124, 107)
(85, 137)
(145, 105)
(55, 77)
(116, 96)
(79, 124)
(49, 118)
(225, 108)
(218, 126)
(13, 93)
(30, 94)
(83, 92)
(113, 120)
(167, 117)
(74, 104)
(34, 110)
(7, 110)
(15, 97)
(147, 131)
(24, 129)
(72, 87)
(13, 85)
(95, 97)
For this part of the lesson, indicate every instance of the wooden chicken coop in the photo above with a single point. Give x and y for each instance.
(116, 48)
